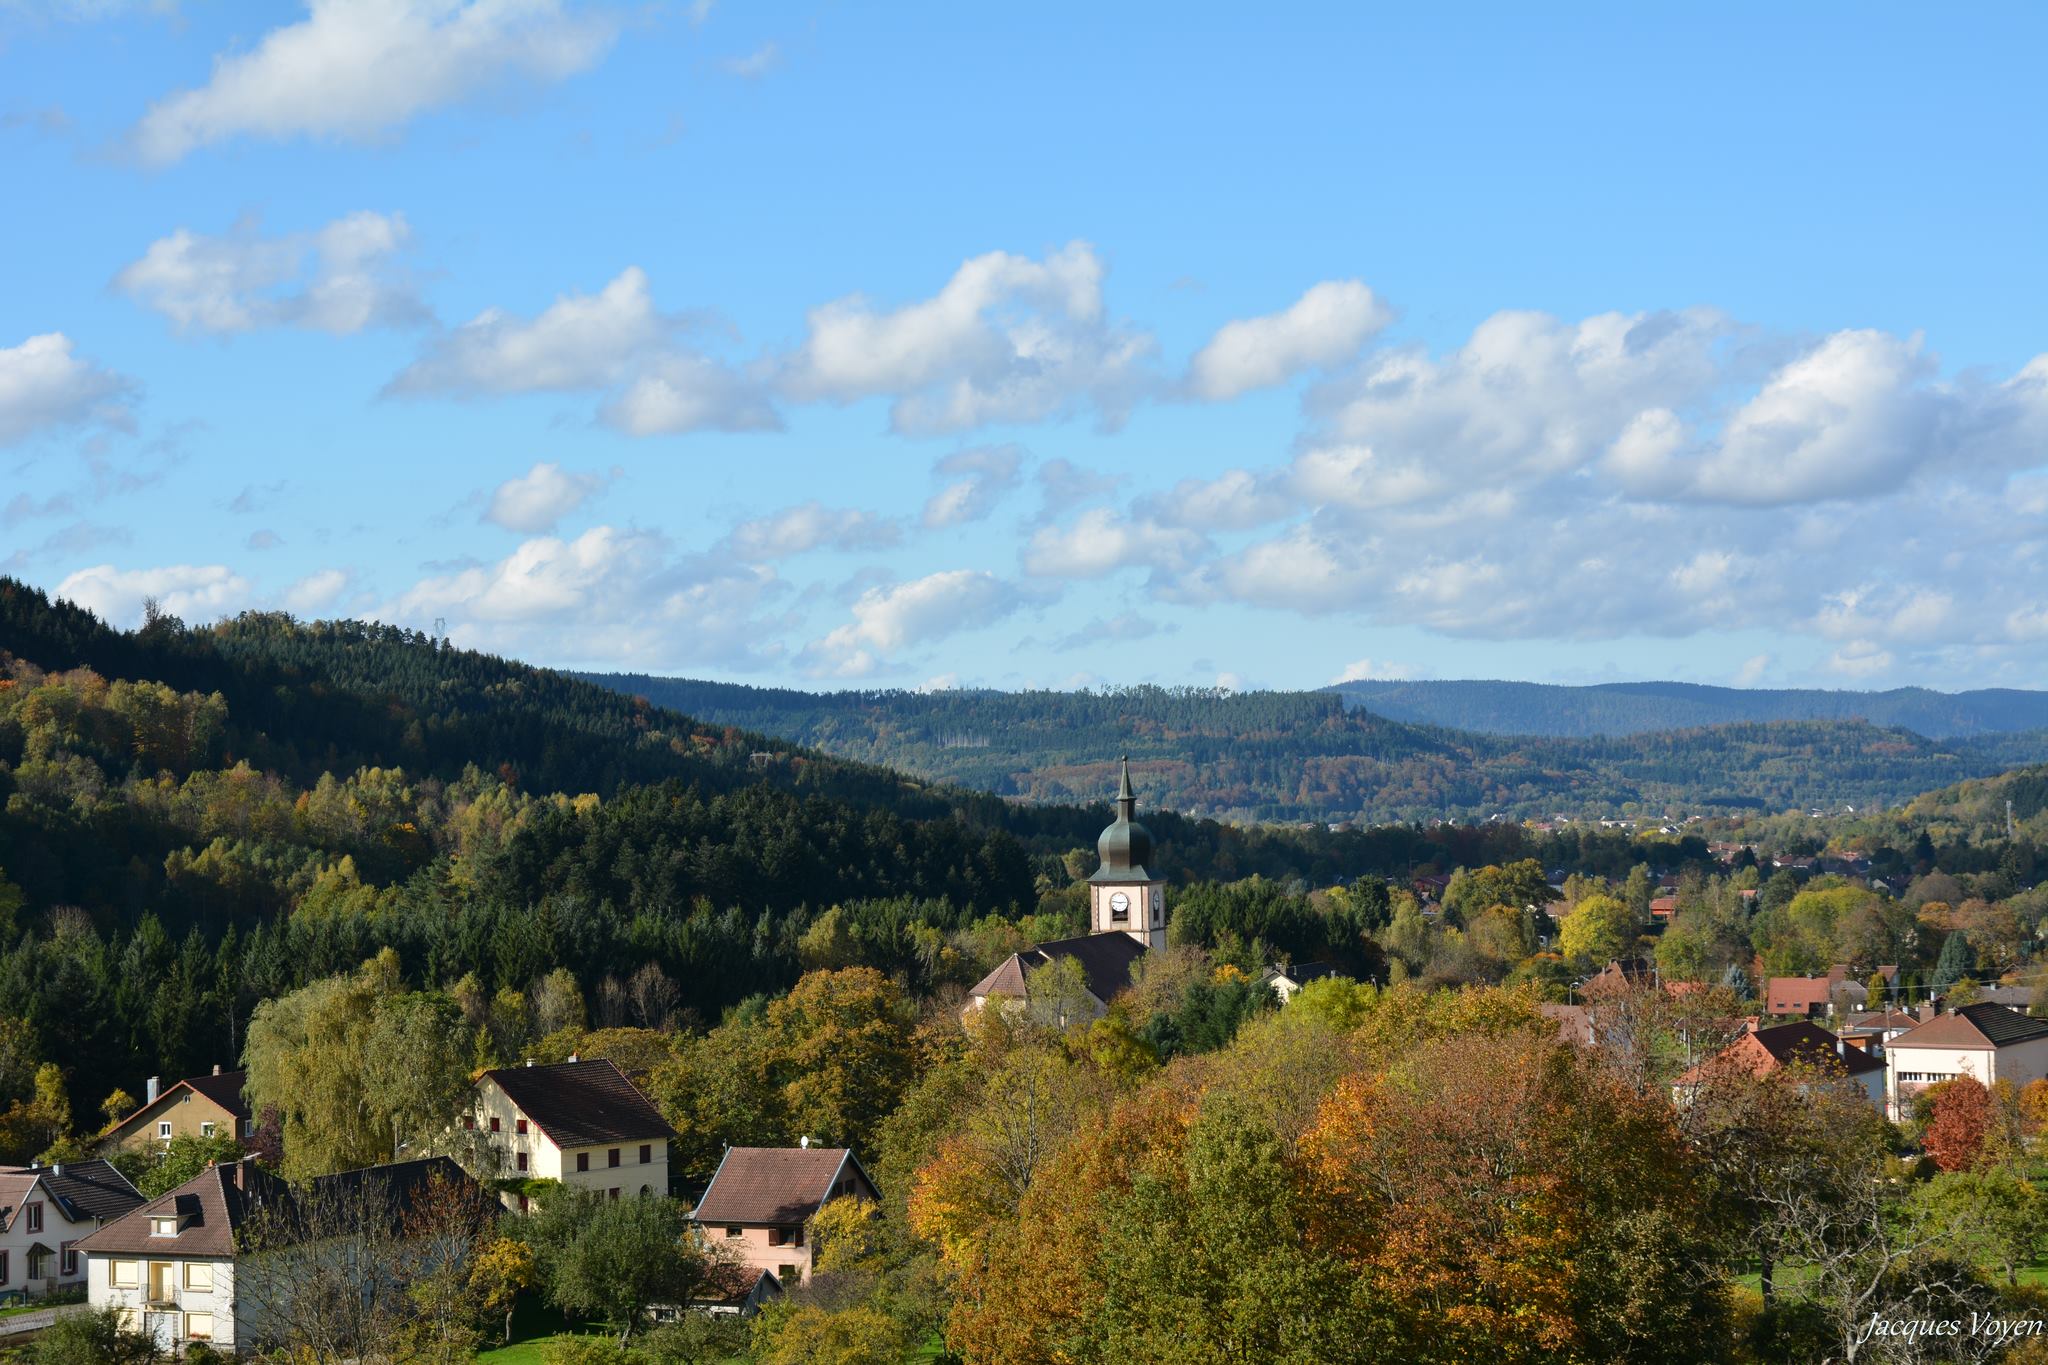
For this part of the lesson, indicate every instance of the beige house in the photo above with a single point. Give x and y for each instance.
(45, 1211)
(760, 1198)
(199, 1106)
(582, 1123)
(1989, 1041)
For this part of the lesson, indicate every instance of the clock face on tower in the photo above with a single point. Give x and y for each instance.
(1119, 905)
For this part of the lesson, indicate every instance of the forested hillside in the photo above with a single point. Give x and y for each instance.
(1521, 708)
(1307, 756)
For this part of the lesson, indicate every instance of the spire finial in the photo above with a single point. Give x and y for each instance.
(1124, 794)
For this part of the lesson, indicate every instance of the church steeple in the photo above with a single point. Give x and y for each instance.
(1124, 895)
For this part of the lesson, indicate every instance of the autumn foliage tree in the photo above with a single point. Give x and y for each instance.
(1961, 1118)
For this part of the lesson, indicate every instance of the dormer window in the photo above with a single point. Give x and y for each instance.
(164, 1227)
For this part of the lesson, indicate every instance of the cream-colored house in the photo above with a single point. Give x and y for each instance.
(582, 1123)
(198, 1106)
(760, 1198)
(45, 1211)
(1989, 1041)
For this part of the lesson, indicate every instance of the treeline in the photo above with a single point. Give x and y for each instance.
(1306, 756)
(1520, 708)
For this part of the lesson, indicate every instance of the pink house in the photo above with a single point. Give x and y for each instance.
(760, 1198)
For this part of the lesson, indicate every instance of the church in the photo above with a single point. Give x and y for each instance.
(1126, 918)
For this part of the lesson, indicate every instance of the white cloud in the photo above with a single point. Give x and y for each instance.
(193, 592)
(680, 392)
(1376, 670)
(581, 341)
(1008, 339)
(43, 384)
(1122, 627)
(1860, 659)
(978, 480)
(1752, 671)
(886, 620)
(1324, 327)
(542, 496)
(1099, 542)
(358, 69)
(242, 281)
(755, 64)
(809, 526)
(609, 597)
(316, 592)
(1233, 501)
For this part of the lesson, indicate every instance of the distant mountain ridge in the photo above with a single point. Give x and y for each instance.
(1318, 756)
(1633, 708)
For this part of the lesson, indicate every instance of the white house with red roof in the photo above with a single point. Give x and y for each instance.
(45, 1211)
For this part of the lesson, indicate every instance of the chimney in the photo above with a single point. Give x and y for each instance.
(529, 1061)
(149, 1089)
(57, 1168)
(216, 1068)
(574, 1058)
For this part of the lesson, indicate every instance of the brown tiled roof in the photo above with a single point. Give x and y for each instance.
(224, 1088)
(774, 1185)
(83, 1190)
(210, 1208)
(1976, 1028)
(1786, 994)
(578, 1104)
(1106, 961)
(730, 1283)
(1785, 1045)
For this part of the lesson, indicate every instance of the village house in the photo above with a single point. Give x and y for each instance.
(197, 1107)
(45, 1211)
(1873, 1029)
(738, 1290)
(760, 1198)
(1802, 997)
(1765, 1050)
(1126, 920)
(583, 1123)
(1989, 1041)
(1286, 981)
(178, 1266)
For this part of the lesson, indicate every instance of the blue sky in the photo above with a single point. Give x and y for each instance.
(832, 346)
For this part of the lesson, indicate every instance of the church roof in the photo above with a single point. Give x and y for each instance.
(1125, 847)
(1105, 959)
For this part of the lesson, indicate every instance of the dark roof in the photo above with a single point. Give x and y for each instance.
(730, 1284)
(1814, 1045)
(85, 1189)
(224, 1088)
(394, 1192)
(775, 1185)
(1105, 959)
(1125, 848)
(2001, 1024)
(578, 1104)
(210, 1208)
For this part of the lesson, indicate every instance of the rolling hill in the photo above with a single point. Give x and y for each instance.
(1520, 708)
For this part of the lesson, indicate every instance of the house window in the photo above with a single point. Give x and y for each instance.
(612, 1193)
(35, 1217)
(163, 1227)
(125, 1274)
(70, 1259)
(199, 1326)
(494, 1124)
(206, 1130)
(786, 1273)
(199, 1276)
(39, 1263)
(163, 1278)
(777, 1237)
(519, 1125)
(735, 1232)
(469, 1122)
(521, 1161)
(583, 1161)
(163, 1129)
(612, 1157)
(248, 1128)
(6, 1272)
(646, 1152)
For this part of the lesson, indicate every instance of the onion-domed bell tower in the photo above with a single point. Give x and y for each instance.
(1124, 897)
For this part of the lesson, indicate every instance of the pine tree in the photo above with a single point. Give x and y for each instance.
(1957, 960)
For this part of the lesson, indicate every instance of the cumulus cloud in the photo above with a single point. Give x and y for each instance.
(977, 480)
(1376, 670)
(340, 279)
(316, 593)
(358, 69)
(614, 340)
(610, 596)
(195, 592)
(1233, 501)
(1324, 327)
(44, 384)
(886, 620)
(1100, 541)
(1008, 339)
(809, 526)
(542, 496)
